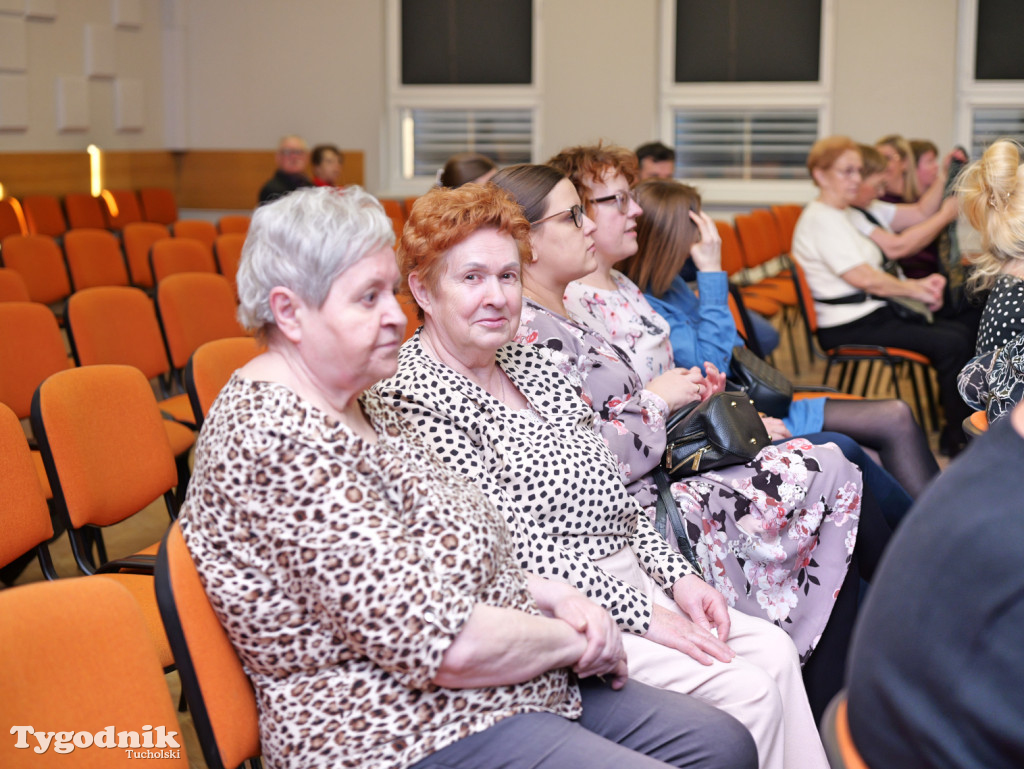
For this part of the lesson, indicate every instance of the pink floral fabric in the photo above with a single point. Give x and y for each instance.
(775, 536)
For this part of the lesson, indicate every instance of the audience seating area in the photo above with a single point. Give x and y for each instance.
(117, 331)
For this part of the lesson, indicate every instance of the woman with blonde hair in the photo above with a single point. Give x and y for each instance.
(992, 191)
(901, 170)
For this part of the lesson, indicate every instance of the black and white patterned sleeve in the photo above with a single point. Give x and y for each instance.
(995, 381)
(469, 450)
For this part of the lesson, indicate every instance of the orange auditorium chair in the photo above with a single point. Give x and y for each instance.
(158, 205)
(94, 259)
(84, 212)
(44, 216)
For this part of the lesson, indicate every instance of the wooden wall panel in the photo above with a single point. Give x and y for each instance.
(203, 179)
(133, 170)
(44, 173)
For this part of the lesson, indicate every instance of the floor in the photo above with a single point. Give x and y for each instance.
(149, 525)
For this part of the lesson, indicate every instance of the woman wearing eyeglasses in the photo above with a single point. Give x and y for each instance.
(503, 414)
(843, 270)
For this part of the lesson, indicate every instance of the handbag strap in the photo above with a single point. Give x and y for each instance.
(666, 510)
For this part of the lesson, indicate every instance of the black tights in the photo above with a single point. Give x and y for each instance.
(824, 672)
(889, 428)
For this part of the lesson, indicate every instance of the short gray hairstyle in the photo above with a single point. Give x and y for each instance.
(303, 241)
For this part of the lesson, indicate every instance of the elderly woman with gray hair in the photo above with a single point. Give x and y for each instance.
(370, 591)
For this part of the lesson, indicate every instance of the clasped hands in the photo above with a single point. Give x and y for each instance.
(680, 386)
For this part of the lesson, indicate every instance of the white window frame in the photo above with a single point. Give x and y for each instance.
(744, 96)
(971, 93)
(474, 97)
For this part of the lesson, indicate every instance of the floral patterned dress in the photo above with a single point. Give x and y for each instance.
(775, 536)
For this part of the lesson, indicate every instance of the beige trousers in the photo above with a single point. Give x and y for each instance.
(761, 687)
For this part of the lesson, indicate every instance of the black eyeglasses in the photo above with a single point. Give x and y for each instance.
(621, 198)
(576, 212)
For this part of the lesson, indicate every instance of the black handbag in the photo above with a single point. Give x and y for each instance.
(768, 387)
(723, 430)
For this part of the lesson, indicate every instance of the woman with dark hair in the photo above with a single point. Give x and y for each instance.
(466, 168)
(702, 329)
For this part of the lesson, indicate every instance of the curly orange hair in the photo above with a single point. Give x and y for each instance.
(443, 218)
(587, 164)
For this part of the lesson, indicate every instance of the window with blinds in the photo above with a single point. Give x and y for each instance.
(432, 135)
(451, 90)
(991, 123)
(743, 144)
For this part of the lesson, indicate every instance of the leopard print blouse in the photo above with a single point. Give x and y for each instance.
(342, 570)
(544, 468)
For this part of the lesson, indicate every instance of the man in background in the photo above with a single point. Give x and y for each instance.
(292, 155)
(657, 161)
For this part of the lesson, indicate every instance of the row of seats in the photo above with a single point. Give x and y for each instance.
(146, 254)
(101, 435)
(112, 210)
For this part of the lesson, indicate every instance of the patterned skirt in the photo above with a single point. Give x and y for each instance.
(775, 536)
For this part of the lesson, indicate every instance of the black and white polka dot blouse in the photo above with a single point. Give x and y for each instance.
(1003, 318)
(545, 469)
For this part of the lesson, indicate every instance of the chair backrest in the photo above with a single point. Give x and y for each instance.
(84, 211)
(210, 368)
(786, 215)
(195, 308)
(759, 244)
(44, 216)
(233, 223)
(170, 256)
(804, 296)
(769, 231)
(732, 255)
(219, 694)
(24, 516)
(94, 259)
(77, 657)
(103, 442)
(39, 261)
(12, 218)
(31, 349)
(120, 207)
(158, 205)
(116, 324)
(138, 238)
(394, 211)
(842, 753)
(197, 229)
(227, 249)
(13, 287)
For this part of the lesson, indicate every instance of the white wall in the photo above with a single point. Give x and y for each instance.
(896, 69)
(55, 47)
(600, 72)
(237, 75)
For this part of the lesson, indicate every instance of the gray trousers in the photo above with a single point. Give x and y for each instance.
(637, 727)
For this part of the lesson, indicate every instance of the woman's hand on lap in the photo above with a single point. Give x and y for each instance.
(776, 428)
